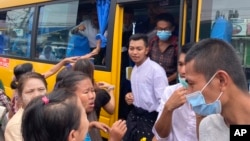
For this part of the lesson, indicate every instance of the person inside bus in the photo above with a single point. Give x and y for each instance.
(146, 23)
(47, 54)
(175, 114)
(148, 81)
(90, 28)
(217, 88)
(163, 47)
(71, 122)
(81, 85)
(30, 85)
(21, 69)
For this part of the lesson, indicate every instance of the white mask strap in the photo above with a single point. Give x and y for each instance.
(208, 82)
(219, 96)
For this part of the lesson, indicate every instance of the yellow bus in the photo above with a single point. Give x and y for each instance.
(27, 26)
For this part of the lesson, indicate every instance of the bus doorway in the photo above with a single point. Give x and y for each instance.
(140, 17)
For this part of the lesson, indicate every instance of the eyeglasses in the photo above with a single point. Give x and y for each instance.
(163, 29)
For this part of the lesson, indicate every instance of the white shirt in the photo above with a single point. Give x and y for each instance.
(148, 82)
(213, 128)
(90, 32)
(183, 119)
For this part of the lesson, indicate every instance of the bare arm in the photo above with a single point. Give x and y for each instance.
(163, 125)
(97, 49)
(110, 106)
(163, 130)
(59, 65)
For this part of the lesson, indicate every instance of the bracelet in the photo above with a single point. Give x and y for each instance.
(111, 88)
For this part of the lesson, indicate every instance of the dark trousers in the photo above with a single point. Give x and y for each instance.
(139, 125)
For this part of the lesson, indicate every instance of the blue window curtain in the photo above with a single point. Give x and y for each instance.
(103, 16)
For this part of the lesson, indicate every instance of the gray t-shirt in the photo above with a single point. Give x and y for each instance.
(213, 128)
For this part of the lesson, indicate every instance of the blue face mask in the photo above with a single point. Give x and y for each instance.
(163, 35)
(183, 81)
(199, 104)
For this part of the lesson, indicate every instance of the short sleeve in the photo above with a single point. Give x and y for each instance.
(102, 98)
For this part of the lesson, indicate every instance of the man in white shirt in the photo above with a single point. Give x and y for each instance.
(148, 80)
(176, 120)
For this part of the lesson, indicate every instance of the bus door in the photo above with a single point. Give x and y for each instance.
(139, 17)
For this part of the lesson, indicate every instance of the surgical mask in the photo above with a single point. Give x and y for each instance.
(183, 81)
(163, 35)
(208, 109)
(199, 105)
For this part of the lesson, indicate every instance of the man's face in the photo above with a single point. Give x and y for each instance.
(94, 18)
(196, 81)
(137, 51)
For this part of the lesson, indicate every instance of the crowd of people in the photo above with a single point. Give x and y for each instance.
(174, 95)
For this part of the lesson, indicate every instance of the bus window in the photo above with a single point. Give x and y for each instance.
(238, 14)
(54, 24)
(70, 29)
(17, 31)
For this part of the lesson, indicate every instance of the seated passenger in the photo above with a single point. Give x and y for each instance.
(47, 54)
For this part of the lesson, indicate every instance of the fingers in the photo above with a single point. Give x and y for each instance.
(177, 99)
(129, 98)
(122, 125)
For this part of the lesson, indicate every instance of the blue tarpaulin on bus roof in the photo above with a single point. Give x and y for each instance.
(103, 13)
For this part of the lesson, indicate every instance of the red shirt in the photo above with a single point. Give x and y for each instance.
(168, 58)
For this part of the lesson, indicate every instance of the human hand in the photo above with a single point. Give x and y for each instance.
(177, 99)
(129, 98)
(99, 125)
(103, 84)
(81, 27)
(70, 59)
(117, 130)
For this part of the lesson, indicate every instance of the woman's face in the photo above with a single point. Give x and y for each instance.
(32, 88)
(84, 124)
(85, 91)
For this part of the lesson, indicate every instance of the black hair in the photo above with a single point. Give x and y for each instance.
(185, 48)
(165, 17)
(51, 121)
(71, 79)
(26, 77)
(139, 36)
(211, 55)
(85, 66)
(19, 70)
